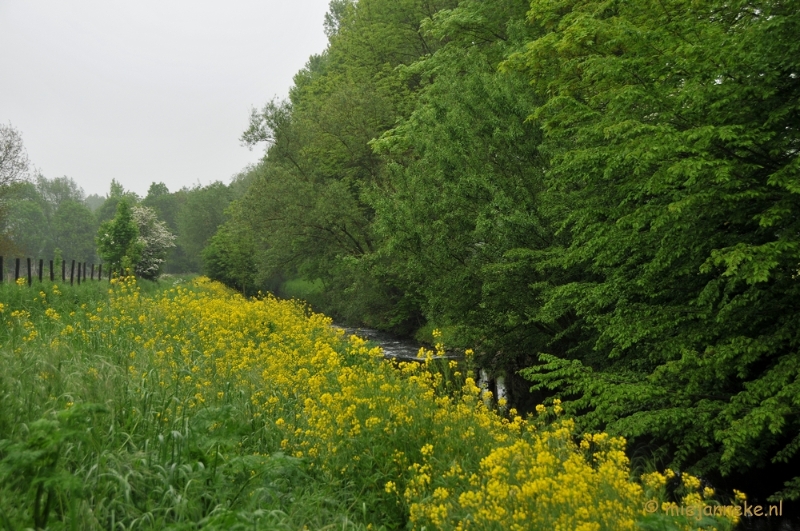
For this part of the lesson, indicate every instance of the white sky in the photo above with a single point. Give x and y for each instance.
(147, 90)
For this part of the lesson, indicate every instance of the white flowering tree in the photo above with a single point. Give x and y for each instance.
(155, 239)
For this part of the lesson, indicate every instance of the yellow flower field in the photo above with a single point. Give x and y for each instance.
(194, 406)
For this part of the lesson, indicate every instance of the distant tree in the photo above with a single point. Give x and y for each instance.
(155, 240)
(230, 254)
(13, 168)
(165, 204)
(199, 217)
(116, 194)
(56, 191)
(73, 228)
(24, 228)
(45, 214)
(94, 202)
(13, 158)
(118, 239)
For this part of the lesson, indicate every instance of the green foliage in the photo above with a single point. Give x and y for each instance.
(229, 256)
(49, 214)
(116, 193)
(94, 202)
(73, 230)
(604, 193)
(165, 204)
(307, 202)
(672, 144)
(301, 289)
(118, 240)
(199, 216)
(462, 184)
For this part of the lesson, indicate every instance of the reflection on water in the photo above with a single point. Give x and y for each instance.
(393, 347)
(408, 350)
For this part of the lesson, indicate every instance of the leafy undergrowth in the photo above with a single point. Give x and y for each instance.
(194, 408)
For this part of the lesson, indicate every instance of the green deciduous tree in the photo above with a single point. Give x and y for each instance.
(116, 193)
(118, 240)
(200, 214)
(672, 130)
(230, 254)
(308, 200)
(45, 214)
(462, 183)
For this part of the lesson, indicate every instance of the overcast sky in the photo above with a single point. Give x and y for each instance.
(146, 90)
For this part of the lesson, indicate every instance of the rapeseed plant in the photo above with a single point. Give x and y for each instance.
(194, 405)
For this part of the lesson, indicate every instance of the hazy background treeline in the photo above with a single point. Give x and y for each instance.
(44, 217)
(602, 195)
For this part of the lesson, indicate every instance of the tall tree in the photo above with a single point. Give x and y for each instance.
(13, 157)
(50, 214)
(73, 230)
(462, 184)
(308, 200)
(13, 169)
(673, 132)
(25, 228)
(118, 240)
(116, 193)
(230, 254)
(202, 212)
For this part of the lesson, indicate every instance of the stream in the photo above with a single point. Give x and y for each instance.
(408, 350)
(393, 347)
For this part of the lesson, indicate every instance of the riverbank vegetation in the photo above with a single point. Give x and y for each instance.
(187, 406)
(600, 196)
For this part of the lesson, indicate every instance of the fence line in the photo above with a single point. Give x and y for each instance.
(32, 271)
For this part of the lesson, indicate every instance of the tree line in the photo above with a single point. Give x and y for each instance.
(53, 218)
(600, 196)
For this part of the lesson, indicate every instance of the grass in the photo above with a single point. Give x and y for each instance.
(181, 405)
(300, 288)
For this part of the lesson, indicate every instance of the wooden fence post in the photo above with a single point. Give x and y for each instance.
(41, 267)
(52, 278)
(72, 273)
(100, 272)
(29, 272)
(16, 271)
(63, 270)
(92, 271)
(79, 273)
(2, 271)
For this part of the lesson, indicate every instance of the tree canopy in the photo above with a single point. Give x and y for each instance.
(600, 195)
(118, 240)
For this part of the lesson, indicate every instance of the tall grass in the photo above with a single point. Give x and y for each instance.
(189, 407)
